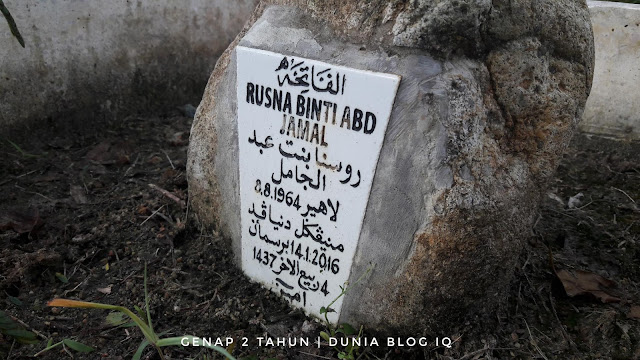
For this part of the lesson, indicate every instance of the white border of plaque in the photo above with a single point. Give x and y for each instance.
(309, 136)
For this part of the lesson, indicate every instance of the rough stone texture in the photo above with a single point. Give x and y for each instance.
(613, 108)
(105, 59)
(491, 93)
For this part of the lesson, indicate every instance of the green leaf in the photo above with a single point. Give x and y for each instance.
(63, 279)
(325, 336)
(22, 336)
(348, 329)
(49, 347)
(116, 318)
(21, 333)
(140, 312)
(4, 320)
(140, 350)
(323, 310)
(27, 341)
(146, 331)
(50, 342)
(15, 300)
(146, 299)
(18, 148)
(77, 346)
(173, 341)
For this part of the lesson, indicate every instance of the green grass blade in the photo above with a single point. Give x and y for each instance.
(140, 350)
(325, 336)
(146, 298)
(148, 333)
(49, 347)
(21, 334)
(78, 346)
(141, 313)
(19, 149)
(63, 279)
(174, 341)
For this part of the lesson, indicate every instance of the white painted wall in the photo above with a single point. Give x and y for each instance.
(613, 107)
(110, 56)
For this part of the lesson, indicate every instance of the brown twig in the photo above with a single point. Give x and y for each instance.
(167, 219)
(582, 207)
(28, 327)
(11, 349)
(622, 191)
(168, 158)
(77, 286)
(534, 342)
(564, 332)
(168, 194)
(150, 216)
(132, 165)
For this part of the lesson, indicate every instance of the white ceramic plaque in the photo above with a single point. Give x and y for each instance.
(310, 135)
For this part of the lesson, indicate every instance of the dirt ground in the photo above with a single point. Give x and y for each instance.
(83, 211)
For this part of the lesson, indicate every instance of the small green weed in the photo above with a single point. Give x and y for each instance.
(67, 343)
(151, 337)
(9, 327)
(351, 350)
(19, 149)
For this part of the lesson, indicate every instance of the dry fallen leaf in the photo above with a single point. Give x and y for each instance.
(20, 221)
(78, 194)
(107, 153)
(105, 290)
(143, 210)
(178, 139)
(48, 177)
(634, 313)
(579, 282)
(575, 201)
(100, 153)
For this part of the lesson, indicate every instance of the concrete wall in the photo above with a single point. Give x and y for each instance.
(101, 58)
(613, 107)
